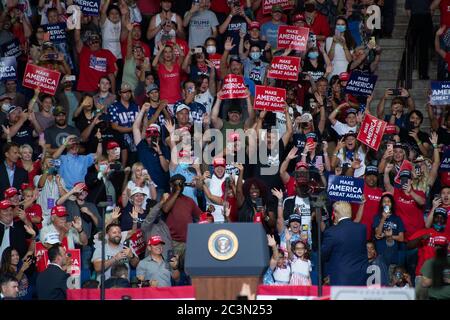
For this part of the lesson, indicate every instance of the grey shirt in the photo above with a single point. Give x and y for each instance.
(74, 210)
(152, 270)
(153, 225)
(55, 136)
(200, 27)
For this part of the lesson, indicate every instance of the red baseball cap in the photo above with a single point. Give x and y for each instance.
(219, 162)
(85, 188)
(204, 217)
(112, 145)
(152, 130)
(390, 129)
(24, 186)
(5, 204)
(155, 240)
(59, 211)
(298, 17)
(255, 24)
(344, 76)
(301, 164)
(10, 192)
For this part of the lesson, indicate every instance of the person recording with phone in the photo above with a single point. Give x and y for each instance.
(399, 106)
(412, 134)
(157, 270)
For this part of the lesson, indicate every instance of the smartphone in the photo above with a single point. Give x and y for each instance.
(243, 28)
(126, 243)
(70, 78)
(258, 203)
(21, 207)
(373, 41)
(319, 161)
(196, 1)
(337, 33)
(396, 92)
(147, 60)
(52, 56)
(170, 255)
(144, 172)
(390, 147)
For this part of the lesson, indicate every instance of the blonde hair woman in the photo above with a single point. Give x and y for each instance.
(26, 160)
(140, 178)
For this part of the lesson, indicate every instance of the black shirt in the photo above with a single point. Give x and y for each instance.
(406, 138)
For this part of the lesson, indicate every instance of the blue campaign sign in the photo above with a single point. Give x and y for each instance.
(11, 48)
(361, 84)
(445, 164)
(57, 32)
(440, 93)
(8, 67)
(342, 188)
(89, 7)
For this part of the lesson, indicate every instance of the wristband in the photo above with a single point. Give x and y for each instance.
(160, 154)
(419, 143)
(435, 145)
(303, 154)
(79, 232)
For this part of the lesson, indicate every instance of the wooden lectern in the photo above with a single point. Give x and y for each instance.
(221, 257)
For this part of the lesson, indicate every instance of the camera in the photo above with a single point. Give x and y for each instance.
(55, 162)
(52, 56)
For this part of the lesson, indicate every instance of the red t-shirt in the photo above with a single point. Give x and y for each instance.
(123, 47)
(320, 26)
(373, 197)
(221, 6)
(427, 247)
(182, 213)
(35, 211)
(35, 171)
(409, 211)
(444, 8)
(445, 178)
(93, 66)
(148, 7)
(170, 83)
(290, 187)
(215, 58)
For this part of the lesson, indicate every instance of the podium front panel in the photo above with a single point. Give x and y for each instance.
(227, 249)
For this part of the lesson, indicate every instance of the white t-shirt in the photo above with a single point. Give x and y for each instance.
(281, 118)
(215, 187)
(361, 155)
(342, 128)
(303, 208)
(73, 237)
(205, 99)
(111, 37)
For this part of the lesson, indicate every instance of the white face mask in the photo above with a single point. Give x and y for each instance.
(211, 49)
(116, 152)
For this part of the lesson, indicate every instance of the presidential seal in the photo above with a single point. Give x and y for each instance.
(223, 244)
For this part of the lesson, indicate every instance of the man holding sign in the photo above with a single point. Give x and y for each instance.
(269, 30)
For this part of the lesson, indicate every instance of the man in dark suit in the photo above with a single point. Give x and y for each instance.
(344, 251)
(52, 283)
(10, 174)
(14, 233)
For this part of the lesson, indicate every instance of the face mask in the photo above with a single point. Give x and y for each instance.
(183, 166)
(310, 7)
(313, 55)
(438, 227)
(255, 55)
(341, 28)
(103, 167)
(211, 49)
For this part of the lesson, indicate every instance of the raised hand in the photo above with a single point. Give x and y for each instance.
(226, 209)
(29, 229)
(287, 235)
(77, 224)
(293, 153)
(116, 213)
(436, 203)
(277, 193)
(388, 167)
(434, 138)
(229, 44)
(271, 241)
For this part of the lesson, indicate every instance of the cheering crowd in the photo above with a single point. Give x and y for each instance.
(140, 139)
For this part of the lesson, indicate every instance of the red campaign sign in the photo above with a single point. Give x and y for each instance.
(270, 98)
(285, 4)
(371, 131)
(296, 37)
(75, 267)
(38, 77)
(138, 242)
(234, 87)
(406, 165)
(284, 68)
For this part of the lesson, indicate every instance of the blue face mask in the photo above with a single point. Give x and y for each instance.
(341, 28)
(255, 55)
(183, 166)
(438, 227)
(103, 167)
(313, 55)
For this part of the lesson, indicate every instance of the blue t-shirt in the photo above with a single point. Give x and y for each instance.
(196, 113)
(270, 31)
(150, 160)
(124, 117)
(73, 168)
(395, 223)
